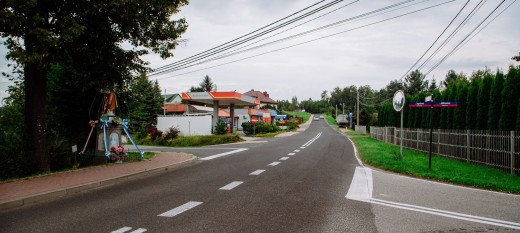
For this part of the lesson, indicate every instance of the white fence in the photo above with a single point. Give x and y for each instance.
(499, 149)
(187, 124)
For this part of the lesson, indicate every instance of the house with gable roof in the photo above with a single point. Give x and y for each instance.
(263, 97)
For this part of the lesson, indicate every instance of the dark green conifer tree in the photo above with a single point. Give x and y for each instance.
(495, 101)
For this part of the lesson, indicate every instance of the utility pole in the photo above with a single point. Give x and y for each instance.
(357, 110)
(343, 104)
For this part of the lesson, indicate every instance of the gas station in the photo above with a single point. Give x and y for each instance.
(229, 99)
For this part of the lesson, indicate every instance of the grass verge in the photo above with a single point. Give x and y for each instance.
(330, 120)
(386, 156)
(191, 141)
(304, 115)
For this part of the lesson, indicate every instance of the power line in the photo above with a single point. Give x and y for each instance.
(306, 42)
(253, 36)
(348, 20)
(465, 38)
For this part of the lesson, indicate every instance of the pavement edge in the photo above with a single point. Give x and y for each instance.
(18, 202)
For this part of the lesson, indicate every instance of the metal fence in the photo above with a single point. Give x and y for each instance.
(499, 149)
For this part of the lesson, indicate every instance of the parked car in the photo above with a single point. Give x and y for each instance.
(321, 117)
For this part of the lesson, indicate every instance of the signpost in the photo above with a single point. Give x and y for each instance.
(428, 103)
(398, 103)
(254, 120)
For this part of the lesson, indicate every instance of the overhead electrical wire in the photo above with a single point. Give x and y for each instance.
(179, 67)
(320, 38)
(253, 36)
(348, 20)
(465, 38)
(443, 44)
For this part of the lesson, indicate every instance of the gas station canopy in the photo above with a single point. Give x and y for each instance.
(224, 98)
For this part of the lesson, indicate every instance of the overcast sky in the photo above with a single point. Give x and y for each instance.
(372, 55)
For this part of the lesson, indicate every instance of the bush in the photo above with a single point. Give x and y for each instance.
(220, 128)
(172, 133)
(261, 127)
(153, 132)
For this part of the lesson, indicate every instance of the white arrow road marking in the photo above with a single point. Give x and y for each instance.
(231, 185)
(273, 164)
(125, 229)
(284, 158)
(223, 154)
(256, 173)
(180, 209)
(361, 190)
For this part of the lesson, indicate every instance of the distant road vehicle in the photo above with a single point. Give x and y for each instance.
(342, 120)
(321, 117)
(316, 118)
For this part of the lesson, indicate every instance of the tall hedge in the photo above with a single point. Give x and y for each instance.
(471, 103)
(483, 101)
(495, 101)
(510, 96)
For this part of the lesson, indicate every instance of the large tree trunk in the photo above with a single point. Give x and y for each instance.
(35, 115)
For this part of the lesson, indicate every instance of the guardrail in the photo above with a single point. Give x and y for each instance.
(499, 149)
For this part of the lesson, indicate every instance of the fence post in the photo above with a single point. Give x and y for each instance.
(395, 136)
(467, 146)
(417, 146)
(512, 152)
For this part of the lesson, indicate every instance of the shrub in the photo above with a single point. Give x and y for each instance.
(153, 132)
(172, 133)
(260, 127)
(220, 128)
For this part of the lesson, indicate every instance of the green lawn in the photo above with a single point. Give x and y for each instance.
(304, 115)
(414, 163)
(330, 120)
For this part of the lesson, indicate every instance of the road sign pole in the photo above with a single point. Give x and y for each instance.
(431, 136)
(401, 134)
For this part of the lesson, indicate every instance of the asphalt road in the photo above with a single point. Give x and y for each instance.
(292, 184)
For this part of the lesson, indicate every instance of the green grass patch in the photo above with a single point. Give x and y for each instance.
(267, 135)
(191, 141)
(304, 115)
(386, 156)
(330, 120)
(135, 156)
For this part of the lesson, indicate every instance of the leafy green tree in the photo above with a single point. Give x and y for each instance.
(495, 101)
(415, 83)
(471, 102)
(196, 89)
(510, 96)
(143, 102)
(484, 93)
(432, 86)
(444, 111)
(516, 58)
(85, 37)
(518, 118)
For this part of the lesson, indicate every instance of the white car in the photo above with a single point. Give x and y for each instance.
(316, 118)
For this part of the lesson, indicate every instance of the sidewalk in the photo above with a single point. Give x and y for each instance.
(20, 192)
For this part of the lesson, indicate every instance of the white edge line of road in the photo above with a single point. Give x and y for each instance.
(180, 209)
(223, 154)
(361, 190)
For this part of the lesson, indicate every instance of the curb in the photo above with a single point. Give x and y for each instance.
(63, 192)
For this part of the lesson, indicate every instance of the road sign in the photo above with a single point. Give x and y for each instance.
(428, 99)
(254, 121)
(435, 104)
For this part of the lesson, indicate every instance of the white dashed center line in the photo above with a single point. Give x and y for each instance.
(180, 209)
(256, 173)
(291, 154)
(231, 185)
(302, 147)
(284, 158)
(296, 151)
(273, 164)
